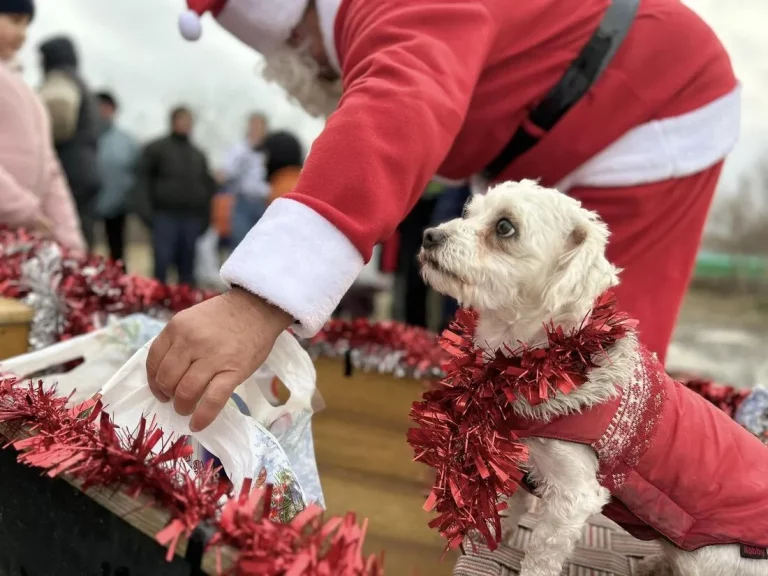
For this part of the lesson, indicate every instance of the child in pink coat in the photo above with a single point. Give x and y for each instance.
(33, 189)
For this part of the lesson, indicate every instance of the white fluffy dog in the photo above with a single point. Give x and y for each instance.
(523, 255)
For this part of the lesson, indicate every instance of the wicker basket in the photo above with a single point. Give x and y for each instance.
(604, 550)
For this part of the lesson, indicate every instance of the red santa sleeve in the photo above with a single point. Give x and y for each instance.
(409, 71)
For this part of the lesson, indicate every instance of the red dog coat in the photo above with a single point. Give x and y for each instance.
(676, 466)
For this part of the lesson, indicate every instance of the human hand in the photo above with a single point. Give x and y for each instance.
(207, 351)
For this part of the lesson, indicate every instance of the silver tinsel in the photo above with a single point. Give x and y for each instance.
(377, 359)
(41, 275)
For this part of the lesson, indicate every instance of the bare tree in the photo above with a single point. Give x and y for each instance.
(741, 220)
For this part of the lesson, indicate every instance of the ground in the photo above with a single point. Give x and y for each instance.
(722, 336)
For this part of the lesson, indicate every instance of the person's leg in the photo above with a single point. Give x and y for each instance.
(655, 230)
(245, 214)
(449, 205)
(191, 228)
(87, 216)
(164, 243)
(115, 231)
(415, 291)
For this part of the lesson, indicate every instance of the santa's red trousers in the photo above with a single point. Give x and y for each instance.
(656, 230)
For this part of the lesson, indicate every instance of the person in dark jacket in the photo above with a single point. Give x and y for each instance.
(174, 188)
(75, 126)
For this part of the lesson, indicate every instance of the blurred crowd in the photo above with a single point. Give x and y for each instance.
(68, 168)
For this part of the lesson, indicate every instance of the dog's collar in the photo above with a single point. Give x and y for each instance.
(467, 429)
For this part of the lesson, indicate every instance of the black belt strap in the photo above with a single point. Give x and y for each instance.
(580, 76)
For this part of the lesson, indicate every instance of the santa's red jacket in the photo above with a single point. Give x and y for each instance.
(440, 86)
(677, 467)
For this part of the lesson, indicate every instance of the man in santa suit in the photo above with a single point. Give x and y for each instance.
(629, 106)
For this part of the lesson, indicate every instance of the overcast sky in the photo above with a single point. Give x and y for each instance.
(133, 48)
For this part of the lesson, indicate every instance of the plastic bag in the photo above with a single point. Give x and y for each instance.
(753, 413)
(291, 423)
(243, 444)
(103, 352)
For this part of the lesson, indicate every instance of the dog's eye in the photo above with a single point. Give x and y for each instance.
(505, 228)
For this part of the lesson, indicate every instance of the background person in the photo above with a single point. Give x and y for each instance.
(173, 193)
(118, 155)
(75, 126)
(33, 189)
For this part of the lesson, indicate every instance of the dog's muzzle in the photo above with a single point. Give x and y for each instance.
(433, 238)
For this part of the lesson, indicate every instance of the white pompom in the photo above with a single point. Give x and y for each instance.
(189, 25)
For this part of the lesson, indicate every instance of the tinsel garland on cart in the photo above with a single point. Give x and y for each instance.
(84, 444)
(73, 294)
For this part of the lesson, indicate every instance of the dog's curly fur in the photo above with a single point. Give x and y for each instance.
(547, 262)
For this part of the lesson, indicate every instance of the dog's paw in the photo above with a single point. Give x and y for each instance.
(654, 566)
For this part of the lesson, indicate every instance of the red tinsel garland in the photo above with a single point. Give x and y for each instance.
(420, 348)
(84, 444)
(90, 285)
(727, 398)
(466, 432)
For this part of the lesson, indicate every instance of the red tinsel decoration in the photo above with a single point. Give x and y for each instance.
(90, 285)
(727, 398)
(84, 444)
(467, 429)
(420, 348)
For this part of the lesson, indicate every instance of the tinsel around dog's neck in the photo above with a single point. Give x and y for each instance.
(467, 424)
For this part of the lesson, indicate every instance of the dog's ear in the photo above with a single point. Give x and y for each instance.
(582, 272)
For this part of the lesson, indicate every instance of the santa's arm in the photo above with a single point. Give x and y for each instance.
(409, 72)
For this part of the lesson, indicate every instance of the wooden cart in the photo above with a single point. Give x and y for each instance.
(48, 527)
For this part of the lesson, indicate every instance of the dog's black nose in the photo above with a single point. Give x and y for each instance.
(433, 237)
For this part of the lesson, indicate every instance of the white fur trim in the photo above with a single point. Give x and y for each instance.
(664, 149)
(297, 260)
(327, 10)
(264, 25)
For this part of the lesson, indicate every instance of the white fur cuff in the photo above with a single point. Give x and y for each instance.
(298, 261)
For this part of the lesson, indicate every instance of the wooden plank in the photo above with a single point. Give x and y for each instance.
(15, 319)
(380, 398)
(366, 465)
(358, 445)
(14, 340)
(15, 312)
(393, 511)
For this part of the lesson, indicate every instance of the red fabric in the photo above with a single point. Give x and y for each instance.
(202, 6)
(389, 252)
(655, 234)
(439, 86)
(689, 473)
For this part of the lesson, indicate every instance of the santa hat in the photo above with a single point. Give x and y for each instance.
(264, 25)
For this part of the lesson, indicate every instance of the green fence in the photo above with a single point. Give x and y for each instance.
(718, 266)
